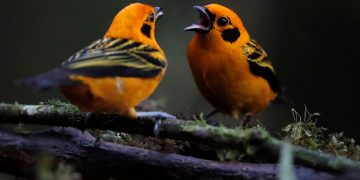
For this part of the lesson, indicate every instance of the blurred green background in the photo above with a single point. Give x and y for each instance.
(314, 46)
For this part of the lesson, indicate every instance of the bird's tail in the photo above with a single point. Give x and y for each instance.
(45, 81)
(283, 99)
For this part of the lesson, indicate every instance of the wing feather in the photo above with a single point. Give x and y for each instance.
(260, 65)
(109, 57)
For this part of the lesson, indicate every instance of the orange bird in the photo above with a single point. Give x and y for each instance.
(116, 72)
(230, 69)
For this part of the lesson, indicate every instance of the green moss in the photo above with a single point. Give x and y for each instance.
(64, 108)
(243, 136)
(45, 170)
(305, 132)
(239, 135)
(111, 136)
(230, 155)
(150, 143)
(61, 107)
(17, 106)
(20, 128)
(340, 145)
(200, 120)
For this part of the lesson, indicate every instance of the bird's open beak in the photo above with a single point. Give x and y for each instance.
(158, 12)
(205, 23)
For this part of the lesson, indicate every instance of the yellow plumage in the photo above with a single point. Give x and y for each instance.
(116, 72)
(230, 69)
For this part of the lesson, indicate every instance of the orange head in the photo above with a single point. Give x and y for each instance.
(136, 22)
(219, 24)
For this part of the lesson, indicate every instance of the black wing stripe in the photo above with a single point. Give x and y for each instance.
(115, 71)
(254, 55)
(267, 74)
(118, 43)
(152, 60)
(123, 57)
(102, 55)
(109, 57)
(131, 46)
(148, 49)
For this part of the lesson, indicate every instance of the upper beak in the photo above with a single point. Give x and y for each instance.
(205, 21)
(158, 12)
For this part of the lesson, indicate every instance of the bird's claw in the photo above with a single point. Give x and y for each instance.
(87, 118)
(249, 121)
(156, 115)
(157, 128)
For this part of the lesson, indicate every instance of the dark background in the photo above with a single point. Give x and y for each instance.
(314, 46)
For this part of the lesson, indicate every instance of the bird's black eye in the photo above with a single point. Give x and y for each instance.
(223, 21)
(151, 17)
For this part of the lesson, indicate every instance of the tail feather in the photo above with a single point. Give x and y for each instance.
(282, 99)
(54, 78)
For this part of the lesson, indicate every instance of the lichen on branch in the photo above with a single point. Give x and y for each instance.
(254, 142)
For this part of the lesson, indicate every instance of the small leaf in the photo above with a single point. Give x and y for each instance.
(307, 133)
(287, 128)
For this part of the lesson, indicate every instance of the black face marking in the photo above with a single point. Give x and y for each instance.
(231, 35)
(145, 29)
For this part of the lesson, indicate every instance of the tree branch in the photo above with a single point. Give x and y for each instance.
(254, 142)
(105, 160)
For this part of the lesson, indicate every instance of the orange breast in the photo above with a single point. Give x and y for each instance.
(223, 76)
(117, 95)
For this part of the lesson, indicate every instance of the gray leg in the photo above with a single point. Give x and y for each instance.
(211, 114)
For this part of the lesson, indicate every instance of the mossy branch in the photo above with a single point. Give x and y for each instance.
(254, 142)
(105, 160)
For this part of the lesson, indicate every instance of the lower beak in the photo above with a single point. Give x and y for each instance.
(158, 12)
(205, 23)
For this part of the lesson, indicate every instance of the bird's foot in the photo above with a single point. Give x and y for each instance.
(248, 121)
(156, 129)
(208, 121)
(86, 121)
(208, 115)
(87, 118)
(155, 115)
(158, 116)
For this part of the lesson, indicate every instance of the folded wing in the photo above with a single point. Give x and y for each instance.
(106, 57)
(260, 66)
(109, 57)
